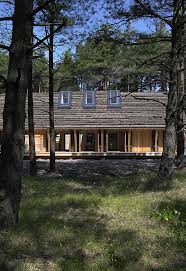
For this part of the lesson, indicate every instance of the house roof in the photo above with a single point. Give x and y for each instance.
(138, 110)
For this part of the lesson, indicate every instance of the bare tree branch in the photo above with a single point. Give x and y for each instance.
(46, 37)
(153, 13)
(42, 6)
(39, 40)
(48, 24)
(148, 99)
(6, 2)
(151, 59)
(139, 43)
(6, 19)
(3, 78)
(4, 47)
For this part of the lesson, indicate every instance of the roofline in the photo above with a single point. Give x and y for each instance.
(98, 128)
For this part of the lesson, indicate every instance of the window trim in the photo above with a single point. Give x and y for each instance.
(85, 94)
(118, 98)
(67, 105)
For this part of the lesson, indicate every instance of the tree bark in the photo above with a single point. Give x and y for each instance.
(180, 139)
(180, 117)
(163, 82)
(33, 166)
(181, 89)
(51, 100)
(169, 153)
(12, 150)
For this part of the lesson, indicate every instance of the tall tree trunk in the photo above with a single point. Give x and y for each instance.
(180, 139)
(33, 167)
(169, 153)
(128, 83)
(181, 89)
(51, 100)
(14, 115)
(163, 82)
(180, 116)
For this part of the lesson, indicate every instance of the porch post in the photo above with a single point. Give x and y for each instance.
(75, 140)
(98, 143)
(156, 141)
(48, 139)
(129, 141)
(125, 141)
(62, 140)
(80, 141)
(138, 142)
(70, 142)
(102, 140)
(107, 141)
(118, 140)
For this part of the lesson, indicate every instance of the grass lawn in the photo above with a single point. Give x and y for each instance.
(97, 224)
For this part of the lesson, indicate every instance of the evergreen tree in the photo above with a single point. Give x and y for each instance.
(65, 75)
(171, 12)
(3, 70)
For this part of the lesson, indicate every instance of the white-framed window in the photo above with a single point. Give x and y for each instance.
(89, 98)
(114, 98)
(65, 98)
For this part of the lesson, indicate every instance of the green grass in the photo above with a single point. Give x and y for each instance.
(96, 224)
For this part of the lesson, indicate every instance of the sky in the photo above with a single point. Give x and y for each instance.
(69, 37)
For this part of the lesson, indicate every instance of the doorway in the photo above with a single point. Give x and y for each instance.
(112, 142)
(90, 142)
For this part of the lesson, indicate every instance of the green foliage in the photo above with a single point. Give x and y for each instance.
(168, 215)
(174, 218)
(105, 59)
(40, 71)
(4, 59)
(65, 75)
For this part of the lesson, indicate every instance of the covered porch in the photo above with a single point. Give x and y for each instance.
(97, 143)
(110, 140)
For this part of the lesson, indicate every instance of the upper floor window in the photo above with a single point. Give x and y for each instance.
(65, 98)
(114, 98)
(89, 98)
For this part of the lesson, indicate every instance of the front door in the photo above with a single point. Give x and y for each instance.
(90, 142)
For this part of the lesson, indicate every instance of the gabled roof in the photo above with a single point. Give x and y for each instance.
(138, 110)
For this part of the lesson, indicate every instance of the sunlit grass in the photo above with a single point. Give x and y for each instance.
(101, 224)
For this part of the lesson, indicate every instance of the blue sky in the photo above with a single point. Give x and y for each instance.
(70, 38)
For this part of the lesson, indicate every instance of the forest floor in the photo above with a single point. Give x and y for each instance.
(103, 221)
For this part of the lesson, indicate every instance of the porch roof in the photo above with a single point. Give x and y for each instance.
(138, 110)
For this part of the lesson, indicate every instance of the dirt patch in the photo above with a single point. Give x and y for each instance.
(98, 168)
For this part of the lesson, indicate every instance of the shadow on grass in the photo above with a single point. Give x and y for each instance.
(132, 176)
(60, 226)
(118, 186)
(63, 228)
